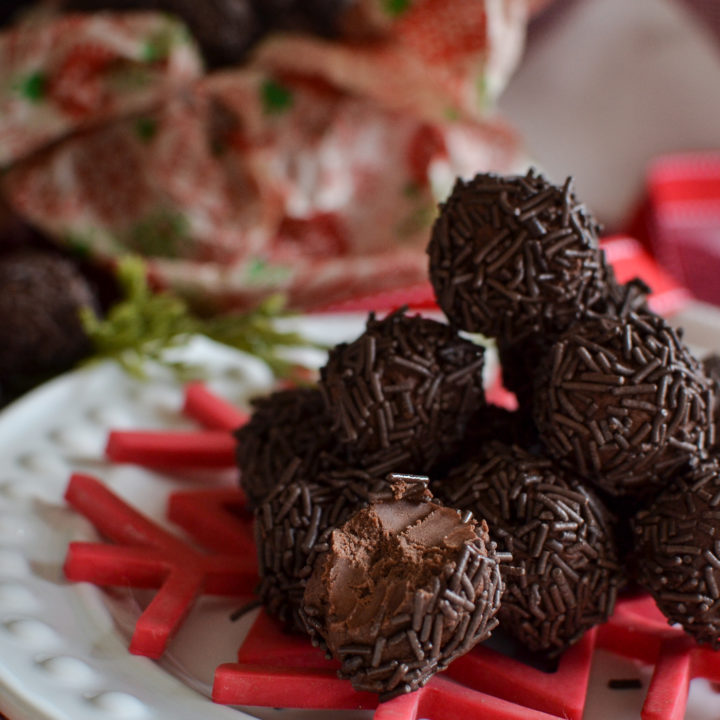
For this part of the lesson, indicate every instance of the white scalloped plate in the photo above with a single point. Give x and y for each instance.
(63, 646)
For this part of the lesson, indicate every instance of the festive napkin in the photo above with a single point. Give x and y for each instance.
(77, 71)
(299, 177)
(683, 220)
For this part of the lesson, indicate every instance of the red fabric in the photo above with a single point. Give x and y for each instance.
(684, 220)
(313, 171)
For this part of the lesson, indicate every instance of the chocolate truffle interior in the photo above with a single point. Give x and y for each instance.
(378, 561)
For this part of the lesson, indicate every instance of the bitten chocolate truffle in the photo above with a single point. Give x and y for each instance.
(678, 551)
(288, 437)
(514, 255)
(401, 393)
(623, 403)
(293, 526)
(41, 333)
(406, 586)
(560, 537)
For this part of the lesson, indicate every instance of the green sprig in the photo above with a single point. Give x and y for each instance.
(143, 325)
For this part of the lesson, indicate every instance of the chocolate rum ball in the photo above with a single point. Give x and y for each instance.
(402, 393)
(405, 587)
(624, 403)
(677, 553)
(512, 256)
(565, 571)
(41, 333)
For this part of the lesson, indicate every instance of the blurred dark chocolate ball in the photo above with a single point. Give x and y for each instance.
(40, 329)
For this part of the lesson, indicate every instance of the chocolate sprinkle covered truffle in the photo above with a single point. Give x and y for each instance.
(41, 333)
(514, 255)
(288, 437)
(520, 358)
(293, 526)
(406, 586)
(711, 368)
(560, 538)
(623, 403)
(678, 551)
(402, 392)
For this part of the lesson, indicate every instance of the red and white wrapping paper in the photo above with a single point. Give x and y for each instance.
(310, 171)
(80, 70)
(683, 211)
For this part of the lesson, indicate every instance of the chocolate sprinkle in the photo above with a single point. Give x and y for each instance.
(711, 368)
(401, 394)
(677, 551)
(406, 586)
(288, 436)
(565, 573)
(629, 427)
(293, 527)
(511, 256)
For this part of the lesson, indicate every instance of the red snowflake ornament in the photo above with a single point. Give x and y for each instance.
(147, 556)
(277, 669)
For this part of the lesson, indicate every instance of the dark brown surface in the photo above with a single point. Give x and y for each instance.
(678, 552)
(515, 255)
(560, 537)
(401, 394)
(624, 404)
(293, 526)
(40, 330)
(289, 437)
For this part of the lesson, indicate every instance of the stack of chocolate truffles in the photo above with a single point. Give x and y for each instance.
(400, 518)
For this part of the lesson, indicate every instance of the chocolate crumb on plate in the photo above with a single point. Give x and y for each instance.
(625, 684)
(406, 586)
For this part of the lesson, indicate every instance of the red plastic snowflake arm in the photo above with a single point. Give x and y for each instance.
(668, 691)
(218, 519)
(113, 517)
(443, 698)
(166, 612)
(149, 556)
(211, 411)
(176, 449)
(139, 567)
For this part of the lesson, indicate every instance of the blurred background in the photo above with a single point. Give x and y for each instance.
(250, 150)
